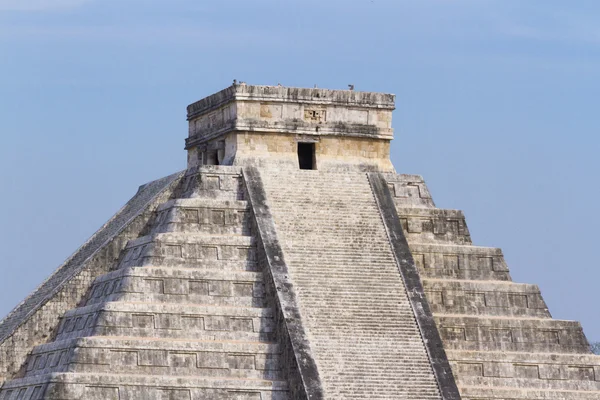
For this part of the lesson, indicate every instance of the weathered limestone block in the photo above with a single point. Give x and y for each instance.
(175, 285)
(492, 298)
(527, 370)
(202, 215)
(212, 182)
(512, 334)
(157, 357)
(409, 191)
(187, 249)
(167, 320)
(75, 386)
(460, 262)
(432, 225)
(502, 392)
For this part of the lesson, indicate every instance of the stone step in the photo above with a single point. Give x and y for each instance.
(204, 215)
(331, 227)
(491, 298)
(527, 370)
(160, 320)
(186, 249)
(328, 247)
(460, 332)
(228, 359)
(328, 262)
(460, 262)
(177, 285)
(320, 204)
(303, 185)
(76, 386)
(434, 225)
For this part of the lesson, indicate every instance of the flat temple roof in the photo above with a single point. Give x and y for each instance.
(285, 94)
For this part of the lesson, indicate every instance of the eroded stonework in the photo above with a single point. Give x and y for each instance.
(261, 125)
(289, 261)
(499, 336)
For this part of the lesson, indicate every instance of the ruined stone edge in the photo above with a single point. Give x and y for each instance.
(414, 288)
(284, 94)
(74, 264)
(286, 293)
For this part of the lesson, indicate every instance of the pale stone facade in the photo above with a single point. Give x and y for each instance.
(289, 261)
(262, 125)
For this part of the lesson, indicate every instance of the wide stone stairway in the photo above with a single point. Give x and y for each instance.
(359, 321)
(499, 335)
(183, 315)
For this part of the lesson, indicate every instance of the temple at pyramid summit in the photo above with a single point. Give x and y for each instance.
(289, 261)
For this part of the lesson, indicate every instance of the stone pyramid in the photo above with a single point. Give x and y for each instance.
(289, 261)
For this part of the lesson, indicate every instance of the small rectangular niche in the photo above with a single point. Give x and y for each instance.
(306, 155)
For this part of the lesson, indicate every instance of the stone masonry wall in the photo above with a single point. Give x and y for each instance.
(277, 149)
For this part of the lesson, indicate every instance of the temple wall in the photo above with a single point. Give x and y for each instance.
(263, 149)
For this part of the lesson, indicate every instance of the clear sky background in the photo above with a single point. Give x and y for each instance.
(497, 107)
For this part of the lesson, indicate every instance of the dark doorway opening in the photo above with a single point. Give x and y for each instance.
(306, 155)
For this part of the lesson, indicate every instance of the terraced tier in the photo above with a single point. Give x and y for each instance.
(490, 298)
(148, 356)
(76, 386)
(222, 287)
(183, 315)
(499, 335)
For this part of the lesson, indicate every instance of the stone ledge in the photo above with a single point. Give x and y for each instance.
(159, 272)
(545, 335)
(293, 95)
(189, 309)
(493, 298)
(75, 386)
(515, 393)
(477, 368)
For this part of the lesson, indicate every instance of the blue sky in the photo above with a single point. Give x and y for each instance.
(496, 108)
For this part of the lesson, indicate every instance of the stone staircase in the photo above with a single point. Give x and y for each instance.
(499, 335)
(360, 323)
(184, 315)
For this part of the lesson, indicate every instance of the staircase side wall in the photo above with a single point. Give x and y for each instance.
(301, 370)
(414, 289)
(355, 310)
(34, 321)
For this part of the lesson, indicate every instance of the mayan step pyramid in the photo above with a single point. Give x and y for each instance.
(289, 261)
